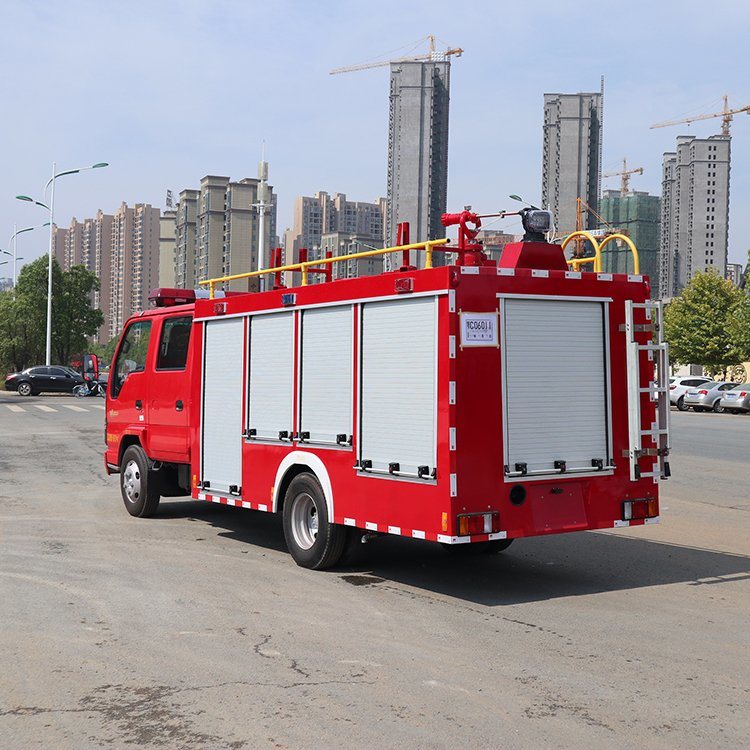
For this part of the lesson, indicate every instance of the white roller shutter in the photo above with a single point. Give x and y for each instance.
(271, 398)
(556, 386)
(326, 387)
(222, 404)
(398, 384)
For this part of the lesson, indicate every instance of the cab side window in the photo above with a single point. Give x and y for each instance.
(173, 347)
(132, 354)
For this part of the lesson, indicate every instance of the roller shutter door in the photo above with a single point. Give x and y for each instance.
(398, 409)
(556, 385)
(326, 387)
(222, 404)
(271, 400)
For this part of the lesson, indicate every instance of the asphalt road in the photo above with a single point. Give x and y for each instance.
(196, 630)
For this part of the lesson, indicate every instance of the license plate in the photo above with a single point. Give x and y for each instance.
(731, 395)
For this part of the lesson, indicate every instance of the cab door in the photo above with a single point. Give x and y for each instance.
(128, 390)
(170, 391)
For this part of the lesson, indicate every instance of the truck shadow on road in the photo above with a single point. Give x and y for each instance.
(533, 569)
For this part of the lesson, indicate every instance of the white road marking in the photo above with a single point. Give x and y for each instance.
(15, 407)
(98, 406)
(72, 407)
(42, 407)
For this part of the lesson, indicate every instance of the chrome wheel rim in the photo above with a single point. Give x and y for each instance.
(131, 482)
(304, 520)
(24, 389)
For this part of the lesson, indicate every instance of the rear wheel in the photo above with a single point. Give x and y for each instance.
(313, 541)
(717, 407)
(25, 389)
(681, 406)
(138, 485)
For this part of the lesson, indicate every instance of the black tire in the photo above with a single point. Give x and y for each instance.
(681, 404)
(25, 389)
(304, 508)
(698, 408)
(717, 408)
(138, 485)
(479, 548)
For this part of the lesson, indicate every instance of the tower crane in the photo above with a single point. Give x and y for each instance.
(432, 56)
(726, 115)
(625, 174)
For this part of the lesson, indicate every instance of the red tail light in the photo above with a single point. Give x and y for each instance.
(672, 387)
(703, 393)
(638, 509)
(10, 376)
(478, 523)
(743, 394)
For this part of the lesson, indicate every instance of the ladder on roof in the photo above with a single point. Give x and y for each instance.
(657, 351)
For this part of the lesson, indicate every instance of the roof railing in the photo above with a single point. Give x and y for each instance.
(313, 266)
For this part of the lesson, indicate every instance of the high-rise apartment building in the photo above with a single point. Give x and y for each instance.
(695, 211)
(167, 238)
(88, 243)
(347, 243)
(217, 230)
(322, 213)
(418, 149)
(639, 215)
(185, 239)
(734, 273)
(134, 261)
(572, 156)
(73, 243)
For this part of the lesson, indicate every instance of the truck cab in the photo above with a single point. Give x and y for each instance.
(148, 401)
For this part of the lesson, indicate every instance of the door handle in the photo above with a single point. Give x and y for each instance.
(179, 405)
(139, 404)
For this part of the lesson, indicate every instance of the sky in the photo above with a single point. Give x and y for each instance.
(167, 92)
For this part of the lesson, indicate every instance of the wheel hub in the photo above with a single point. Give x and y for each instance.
(304, 518)
(131, 482)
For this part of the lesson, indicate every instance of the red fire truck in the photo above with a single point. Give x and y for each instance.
(469, 403)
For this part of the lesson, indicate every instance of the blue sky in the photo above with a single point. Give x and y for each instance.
(170, 91)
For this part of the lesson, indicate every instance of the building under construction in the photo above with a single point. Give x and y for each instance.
(636, 214)
(418, 147)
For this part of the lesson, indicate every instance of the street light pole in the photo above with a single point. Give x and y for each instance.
(51, 209)
(13, 241)
(48, 355)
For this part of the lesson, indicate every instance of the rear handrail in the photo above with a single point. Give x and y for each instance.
(596, 258)
(307, 266)
(630, 244)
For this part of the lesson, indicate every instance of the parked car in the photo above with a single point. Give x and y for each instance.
(34, 380)
(737, 400)
(708, 397)
(678, 387)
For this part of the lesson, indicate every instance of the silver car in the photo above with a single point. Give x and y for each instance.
(679, 386)
(708, 397)
(737, 400)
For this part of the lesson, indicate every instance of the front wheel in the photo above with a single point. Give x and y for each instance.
(313, 540)
(138, 485)
(25, 389)
(79, 391)
(681, 405)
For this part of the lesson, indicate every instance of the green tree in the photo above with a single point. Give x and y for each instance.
(74, 318)
(739, 327)
(697, 323)
(23, 315)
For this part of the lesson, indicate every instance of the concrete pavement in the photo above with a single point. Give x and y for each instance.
(196, 629)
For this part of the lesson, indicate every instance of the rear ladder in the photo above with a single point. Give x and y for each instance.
(657, 387)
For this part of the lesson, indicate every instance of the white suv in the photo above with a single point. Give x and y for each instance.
(678, 387)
